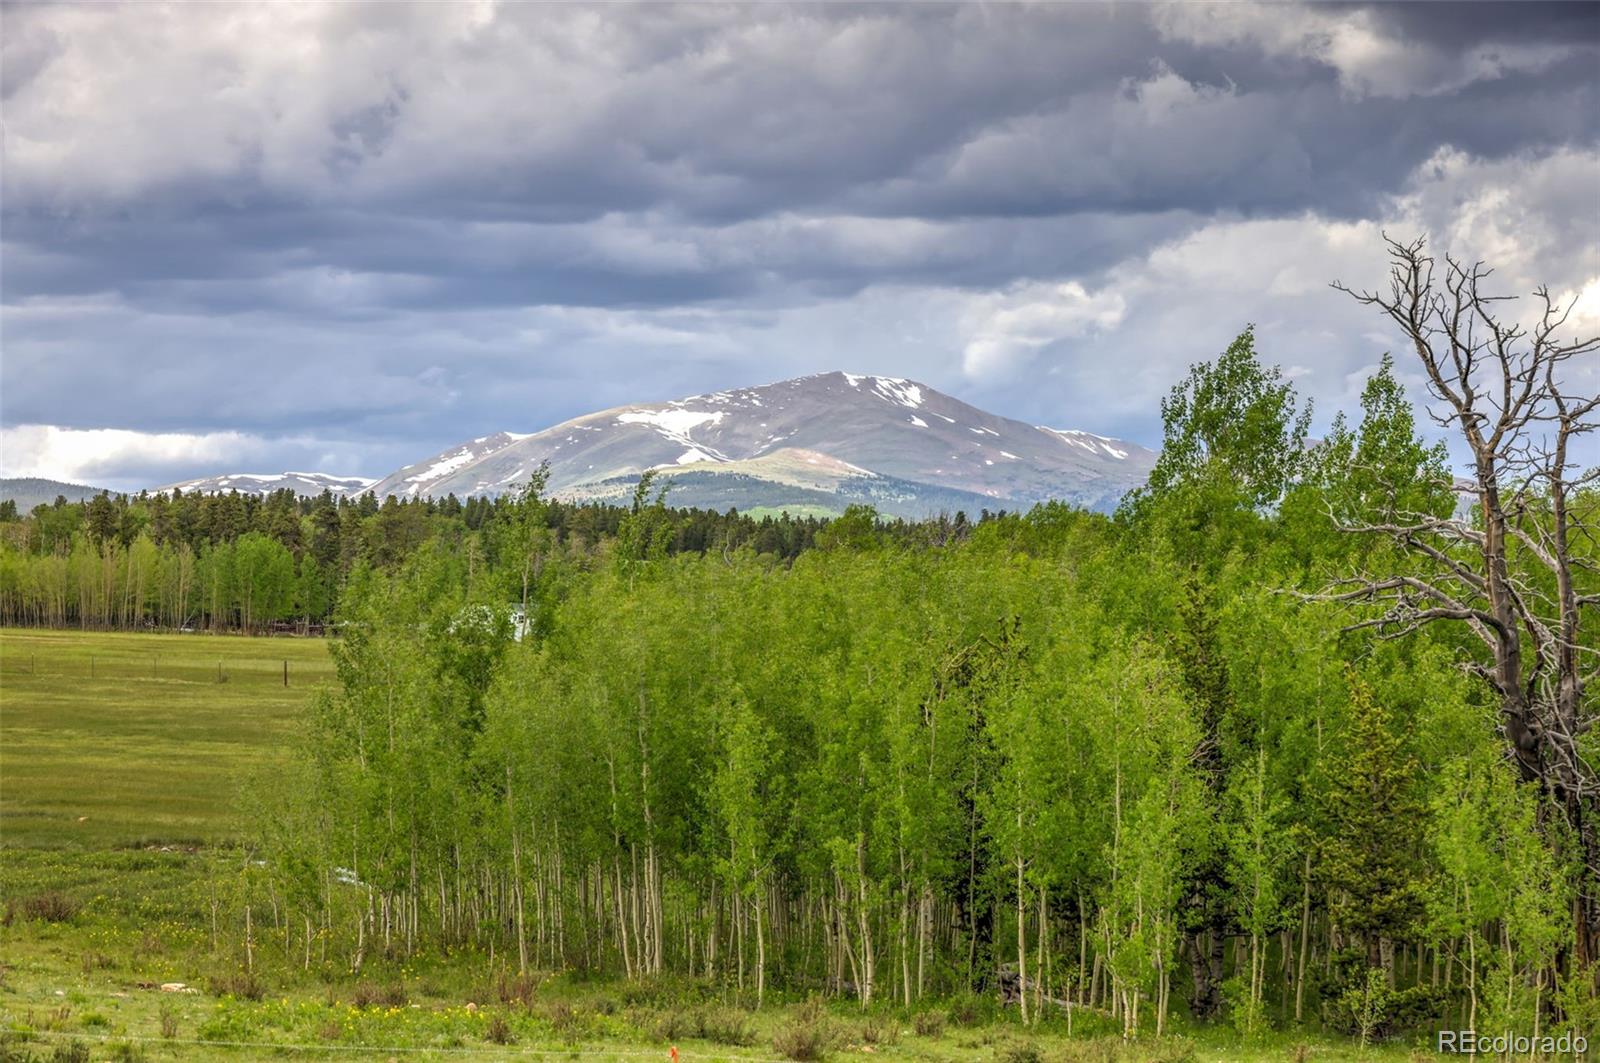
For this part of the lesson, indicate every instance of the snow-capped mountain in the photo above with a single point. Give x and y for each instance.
(821, 441)
(418, 479)
(264, 483)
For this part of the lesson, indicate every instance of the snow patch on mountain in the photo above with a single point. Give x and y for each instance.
(1088, 441)
(449, 464)
(675, 422)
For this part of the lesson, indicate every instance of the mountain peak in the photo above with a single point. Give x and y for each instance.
(265, 483)
(818, 442)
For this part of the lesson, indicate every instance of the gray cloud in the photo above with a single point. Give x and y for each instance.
(391, 226)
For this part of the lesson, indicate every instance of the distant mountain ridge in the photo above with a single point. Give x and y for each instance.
(30, 491)
(815, 443)
(264, 483)
(820, 441)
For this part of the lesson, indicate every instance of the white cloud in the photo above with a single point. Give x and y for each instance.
(1583, 318)
(1184, 300)
(74, 454)
(1005, 330)
(1533, 219)
(128, 460)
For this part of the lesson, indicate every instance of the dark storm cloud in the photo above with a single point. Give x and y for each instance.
(397, 225)
(1462, 25)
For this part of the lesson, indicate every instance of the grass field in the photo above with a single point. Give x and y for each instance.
(121, 758)
(115, 740)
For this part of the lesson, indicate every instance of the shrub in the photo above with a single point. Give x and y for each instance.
(519, 990)
(70, 1052)
(807, 1037)
(674, 1025)
(564, 1019)
(243, 985)
(970, 1009)
(498, 1031)
(802, 1041)
(369, 995)
(928, 1023)
(880, 1030)
(51, 906)
(1022, 1052)
(725, 1026)
(95, 961)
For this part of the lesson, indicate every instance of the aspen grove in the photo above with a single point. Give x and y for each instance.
(1143, 768)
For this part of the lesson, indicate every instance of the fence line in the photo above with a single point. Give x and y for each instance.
(256, 671)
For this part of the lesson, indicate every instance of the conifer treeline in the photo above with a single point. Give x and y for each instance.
(232, 562)
(1116, 767)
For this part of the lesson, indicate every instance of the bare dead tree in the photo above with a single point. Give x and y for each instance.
(1518, 569)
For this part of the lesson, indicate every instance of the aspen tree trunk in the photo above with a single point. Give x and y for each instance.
(1022, 935)
(652, 887)
(1305, 943)
(516, 875)
(924, 929)
(1472, 975)
(847, 952)
(761, 947)
(1083, 951)
(560, 911)
(621, 919)
(1042, 960)
(616, 866)
(868, 959)
(738, 937)
(905, 930)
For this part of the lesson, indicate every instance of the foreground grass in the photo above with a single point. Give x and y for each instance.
(95, 979)
(120, 760)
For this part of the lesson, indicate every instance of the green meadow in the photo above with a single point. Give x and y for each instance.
(116, 741)
(125, 862)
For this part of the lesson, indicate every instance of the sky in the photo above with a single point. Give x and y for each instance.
(343, 237)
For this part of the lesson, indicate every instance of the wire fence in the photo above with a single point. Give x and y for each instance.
(255, 672)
